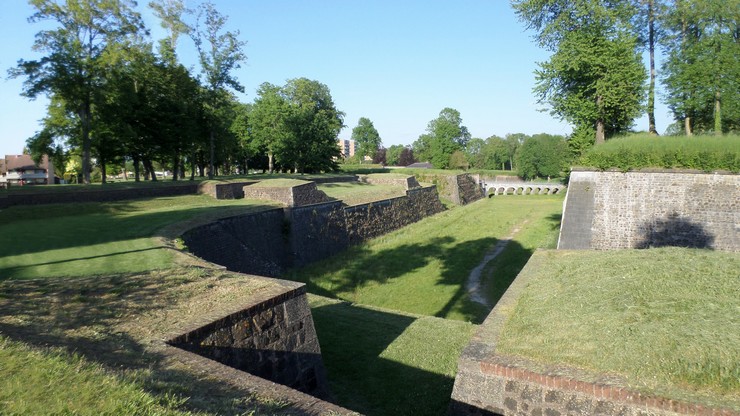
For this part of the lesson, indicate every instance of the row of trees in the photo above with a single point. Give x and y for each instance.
(114, 99)
(595, 78)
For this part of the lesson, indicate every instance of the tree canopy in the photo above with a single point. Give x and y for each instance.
(445, 135)
(366, 137)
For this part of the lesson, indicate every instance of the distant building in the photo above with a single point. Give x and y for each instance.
(346, 148)
(20, 170)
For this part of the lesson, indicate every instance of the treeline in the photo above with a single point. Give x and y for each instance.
(596, 80)
(118, 100)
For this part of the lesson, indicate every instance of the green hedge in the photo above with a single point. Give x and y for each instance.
(706, 153)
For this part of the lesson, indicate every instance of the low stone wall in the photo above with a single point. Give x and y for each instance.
(408, 182)
(464, 189)
(96, 195)
(615, 210)
(273, 339)
(380, 217)
(251, 243)
(227, 190)
(293, 196)
(488, 383)
(269, 242)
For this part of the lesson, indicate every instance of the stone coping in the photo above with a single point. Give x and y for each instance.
(276, 291)
(482, 349)
(652, 170)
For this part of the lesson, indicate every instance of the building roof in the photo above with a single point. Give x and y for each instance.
(421, 165)
(22, 162)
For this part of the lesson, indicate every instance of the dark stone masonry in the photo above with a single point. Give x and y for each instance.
(273, 339)
(615, 210)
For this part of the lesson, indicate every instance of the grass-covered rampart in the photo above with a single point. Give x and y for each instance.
(705, 153)
(665, 321)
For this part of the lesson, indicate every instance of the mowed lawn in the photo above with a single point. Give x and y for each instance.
(99, 238)
(422, 268)
(664, 320)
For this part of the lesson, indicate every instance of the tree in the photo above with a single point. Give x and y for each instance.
(702, 69)
(595, 76)
(78, 50)
(170, 13)
(218, 59)
(542, 155)
(407, 157)
(379, 158)
(444, 136)
(297, 125)
(393, 154)
(367, 138)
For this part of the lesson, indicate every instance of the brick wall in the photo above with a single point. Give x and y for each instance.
(294, 196)
(464, 189)
(615, 210)
(228, 190)
(408, 182)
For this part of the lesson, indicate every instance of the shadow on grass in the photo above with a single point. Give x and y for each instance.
(30, 230)
(352, 342)
(84, 317)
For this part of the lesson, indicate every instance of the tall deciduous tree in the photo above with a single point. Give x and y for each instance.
(702, 69)
(366, 137)
(78, 50)
(595, 76)
(445, 135)
(220, 53)
(170, 14)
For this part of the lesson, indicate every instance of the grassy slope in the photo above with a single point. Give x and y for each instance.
(97, 238)
(422, 268)
(355, 193)
(665, 319)
(383, 362)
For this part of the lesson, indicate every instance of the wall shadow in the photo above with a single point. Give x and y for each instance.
(83, 317)
(674, 231)
(352, 340)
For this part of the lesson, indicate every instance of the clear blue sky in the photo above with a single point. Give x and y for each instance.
(397, 63)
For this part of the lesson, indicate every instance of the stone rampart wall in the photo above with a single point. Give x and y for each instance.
(615, 210)
(273, 339)
(408, 182)
(228, 190)
(268, 242)
(101, 195)
(464, 189)
(251, 243)
(293, 196)
(316, 232)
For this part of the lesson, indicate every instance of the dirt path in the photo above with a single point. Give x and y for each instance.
(473, 285)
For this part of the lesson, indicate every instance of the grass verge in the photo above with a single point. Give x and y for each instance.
(100, 238)
(356, 193)
(666, 320)
(422, 268)
(383, 362)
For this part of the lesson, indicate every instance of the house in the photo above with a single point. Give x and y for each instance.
(20, 170)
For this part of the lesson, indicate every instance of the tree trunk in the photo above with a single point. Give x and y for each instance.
(651, 46)
(85, 119)
(192, 167)
(148, 167)
(212, 156)
(103, 178)
(687, 126)
(600, 130)
(717, 114)
(175, 166)
(137, 174)
(269, 162)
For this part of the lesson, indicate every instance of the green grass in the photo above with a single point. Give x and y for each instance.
(355, 193)
(706, 153)
(666, 320)
(383, 362)
(98, 238)
(422, 268)
(49, 381)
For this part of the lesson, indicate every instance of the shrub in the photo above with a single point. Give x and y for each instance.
(705, 153)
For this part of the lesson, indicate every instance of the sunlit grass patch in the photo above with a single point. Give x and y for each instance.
(664, 319)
